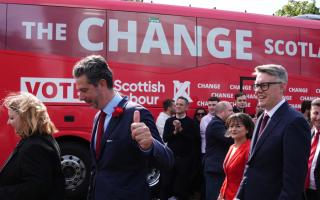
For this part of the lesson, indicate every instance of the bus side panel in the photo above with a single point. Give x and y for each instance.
(39, 43)
(2, 25)
(242, 44)
(56, 30)
(7, 137)
(310, 66)
(149, 40)
(271, 46)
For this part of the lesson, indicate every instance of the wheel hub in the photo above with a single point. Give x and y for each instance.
(74, 171)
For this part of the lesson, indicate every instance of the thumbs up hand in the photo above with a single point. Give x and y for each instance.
(140, 132)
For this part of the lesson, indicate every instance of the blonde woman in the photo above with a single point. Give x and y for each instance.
(33, 171)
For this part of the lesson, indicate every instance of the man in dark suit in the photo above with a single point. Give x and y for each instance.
(124, 136)
(313, 175)
(217, 146)
(280, 146)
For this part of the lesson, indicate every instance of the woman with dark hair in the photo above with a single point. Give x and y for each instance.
(240, 127)
(33, 171)
(198, 114)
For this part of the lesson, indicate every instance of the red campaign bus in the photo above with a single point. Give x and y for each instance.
(155, 51)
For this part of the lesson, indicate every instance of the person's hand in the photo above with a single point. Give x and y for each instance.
(220, 198)
(140, 132)
(177, 126)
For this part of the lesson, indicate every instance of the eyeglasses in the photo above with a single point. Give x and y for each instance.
(201, 114)
(264, 86)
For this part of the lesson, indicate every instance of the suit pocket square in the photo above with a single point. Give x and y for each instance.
(109, 141)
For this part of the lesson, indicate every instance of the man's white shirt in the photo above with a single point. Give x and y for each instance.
(203, 126)
(161, 120)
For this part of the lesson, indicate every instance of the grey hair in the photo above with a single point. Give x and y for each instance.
(315, 102)
(221, 106)
(277, 71)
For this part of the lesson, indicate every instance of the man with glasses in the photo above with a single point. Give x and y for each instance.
(280, 147)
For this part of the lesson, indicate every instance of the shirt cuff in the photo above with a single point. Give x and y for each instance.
(148, 151)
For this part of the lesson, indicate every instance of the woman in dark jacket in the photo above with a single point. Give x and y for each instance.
(33, 170)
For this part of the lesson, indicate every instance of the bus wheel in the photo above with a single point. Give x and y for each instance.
(75, 161)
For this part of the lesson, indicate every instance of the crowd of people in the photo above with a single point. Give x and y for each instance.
(221, 153)
(264, 156)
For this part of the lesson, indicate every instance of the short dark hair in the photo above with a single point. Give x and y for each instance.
(183, 98)
(167, 103)
(214, 99)
(305, 105)
(95, 68)
(244, 119)
(239, 94)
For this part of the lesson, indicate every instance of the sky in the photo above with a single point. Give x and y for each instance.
(267, 7)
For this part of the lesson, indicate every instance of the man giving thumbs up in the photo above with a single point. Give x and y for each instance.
(124, 136)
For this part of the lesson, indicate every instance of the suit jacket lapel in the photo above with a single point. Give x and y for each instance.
(111, 126)
(255, 134)
(114, 121)
(313, 132)
(238, 152)
(317, 168)
(92, 144)
(273, 121)
(227, 158)
(265, 133)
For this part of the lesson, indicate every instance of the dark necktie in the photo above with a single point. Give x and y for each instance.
(263, 123)
(100, 132)
(312, 153)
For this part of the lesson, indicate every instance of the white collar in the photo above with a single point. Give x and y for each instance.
(275, 108)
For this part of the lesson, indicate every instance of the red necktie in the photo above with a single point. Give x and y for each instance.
(312, 153)
(100, 132)
(263, 123)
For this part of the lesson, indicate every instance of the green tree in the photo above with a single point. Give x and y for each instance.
(295, 8)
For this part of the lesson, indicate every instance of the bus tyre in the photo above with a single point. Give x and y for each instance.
(75, 161)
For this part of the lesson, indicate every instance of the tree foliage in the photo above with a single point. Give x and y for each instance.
(295, 8)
